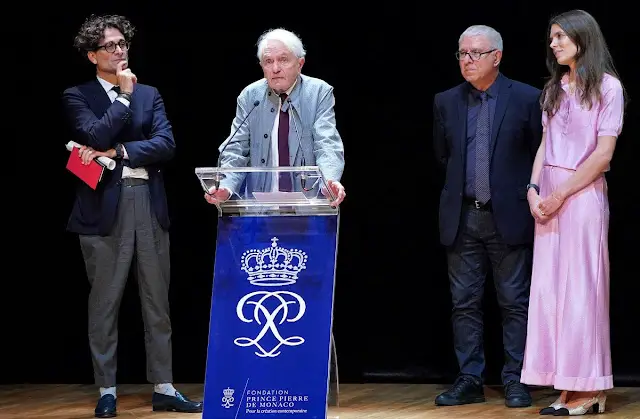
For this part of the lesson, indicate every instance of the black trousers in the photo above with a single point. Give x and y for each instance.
(479, 247)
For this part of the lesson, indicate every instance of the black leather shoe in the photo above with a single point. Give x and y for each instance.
(516, 395)
(465, 390)
(177, 403)
(106, 407)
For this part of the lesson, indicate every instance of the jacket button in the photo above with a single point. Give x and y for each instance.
(262, 161)
(266, 136)
(273, 109)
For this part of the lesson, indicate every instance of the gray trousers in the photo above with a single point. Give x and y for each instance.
(136, 237)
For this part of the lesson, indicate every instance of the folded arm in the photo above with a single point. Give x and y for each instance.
(160, 146)
(97, 133)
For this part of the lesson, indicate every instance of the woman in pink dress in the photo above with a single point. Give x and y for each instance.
(568, 329)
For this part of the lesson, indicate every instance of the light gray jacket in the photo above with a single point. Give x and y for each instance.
(322, 146)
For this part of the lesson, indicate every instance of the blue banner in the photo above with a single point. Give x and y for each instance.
(271, 316)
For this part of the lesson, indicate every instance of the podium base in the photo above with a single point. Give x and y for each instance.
(271, 350)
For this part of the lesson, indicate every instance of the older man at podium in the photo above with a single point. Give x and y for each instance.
(283, 119)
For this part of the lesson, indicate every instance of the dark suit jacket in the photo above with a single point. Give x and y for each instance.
(516, 136)
(146, 133)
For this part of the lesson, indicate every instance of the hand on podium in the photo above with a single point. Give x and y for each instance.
(337, 190)
(216, 195)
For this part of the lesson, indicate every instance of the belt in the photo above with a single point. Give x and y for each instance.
(478, 205)
(133, 181)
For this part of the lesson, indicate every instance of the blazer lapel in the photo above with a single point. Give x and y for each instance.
(271, 102)
(295, 123)
(463, 105)
(100, 101)
(501, 107)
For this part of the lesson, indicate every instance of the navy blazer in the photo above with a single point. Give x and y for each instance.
(145, 132)
(515, 138)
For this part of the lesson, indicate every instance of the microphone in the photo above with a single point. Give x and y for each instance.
(219, 176)
(303, 177)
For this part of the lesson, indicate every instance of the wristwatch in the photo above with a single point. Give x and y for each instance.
(124, 95)
(534, 186)
(119, 151)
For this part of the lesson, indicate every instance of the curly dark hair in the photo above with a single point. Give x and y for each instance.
(92, 31)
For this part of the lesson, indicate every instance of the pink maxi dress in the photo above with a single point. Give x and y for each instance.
(568, 344)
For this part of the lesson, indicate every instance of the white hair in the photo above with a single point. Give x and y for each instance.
(290, 40)
(494, 37)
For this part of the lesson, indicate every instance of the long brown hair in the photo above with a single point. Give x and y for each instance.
(593, 60)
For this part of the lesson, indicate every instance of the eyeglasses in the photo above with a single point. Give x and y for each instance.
(111, 46)
(474, 55)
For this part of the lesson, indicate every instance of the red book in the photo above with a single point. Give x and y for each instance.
(89, 173)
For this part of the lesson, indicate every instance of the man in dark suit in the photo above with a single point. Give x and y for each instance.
(126, 217)
(486, 134)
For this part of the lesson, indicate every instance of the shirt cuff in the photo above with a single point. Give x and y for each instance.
(124, 101)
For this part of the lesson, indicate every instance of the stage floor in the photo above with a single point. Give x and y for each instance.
(357, 401)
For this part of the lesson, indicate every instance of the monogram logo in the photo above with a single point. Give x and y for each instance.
(268, 319)
(271, 267)
(227, 397)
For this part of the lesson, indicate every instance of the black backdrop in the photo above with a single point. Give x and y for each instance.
(392, 305)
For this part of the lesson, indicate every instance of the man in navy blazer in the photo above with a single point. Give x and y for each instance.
(126, 217)
(486, 134)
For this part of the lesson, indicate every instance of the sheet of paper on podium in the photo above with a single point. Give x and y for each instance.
(281, 197)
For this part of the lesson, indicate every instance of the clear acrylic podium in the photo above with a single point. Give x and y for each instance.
(271, 348)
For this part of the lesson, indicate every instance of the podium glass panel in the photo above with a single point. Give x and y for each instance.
(271, 351)
(257, 191)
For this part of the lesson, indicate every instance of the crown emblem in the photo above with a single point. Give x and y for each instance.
(273, 266)
(228, 392)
